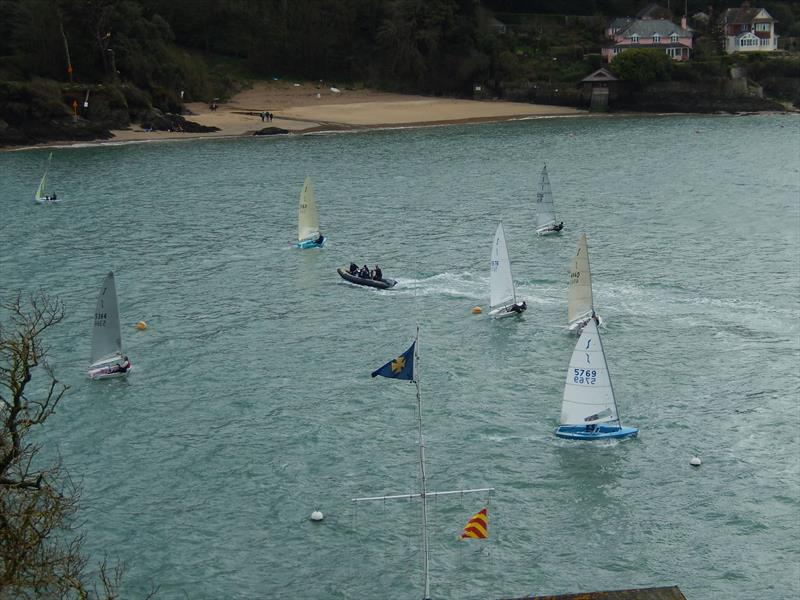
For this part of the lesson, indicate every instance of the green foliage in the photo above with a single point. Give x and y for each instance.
(642, 66)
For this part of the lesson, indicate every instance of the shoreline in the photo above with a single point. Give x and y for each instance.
(306, 109)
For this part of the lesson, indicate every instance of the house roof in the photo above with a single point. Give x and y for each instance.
(620, 22)
(651, 27)
(600, 75)
(745, 14)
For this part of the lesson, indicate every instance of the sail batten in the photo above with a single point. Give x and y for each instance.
(580, 300)
(501, 281)
(545, 208)
(308, 220)
(106, 332)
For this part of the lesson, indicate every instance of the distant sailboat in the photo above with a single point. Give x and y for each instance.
(107, 358)
(545, 209)
(40, 195)
(502, 294)
(580, 304)
(589, 408)
(308, 234)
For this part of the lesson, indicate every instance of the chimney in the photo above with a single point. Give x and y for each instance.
(683, 21)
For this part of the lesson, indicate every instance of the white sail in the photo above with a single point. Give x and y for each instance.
(40, 191)
(545, 209)
(308, 221)
(106, 335)
(588, 393)
(580, 301)
(501, 283)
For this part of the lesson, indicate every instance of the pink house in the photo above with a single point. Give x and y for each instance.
(674, 40)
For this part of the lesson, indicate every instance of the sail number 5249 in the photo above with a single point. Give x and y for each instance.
(585, 376)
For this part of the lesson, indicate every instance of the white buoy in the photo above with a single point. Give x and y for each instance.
(695, 462)
(316, 515)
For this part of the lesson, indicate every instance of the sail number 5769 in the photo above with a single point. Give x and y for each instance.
(585, 376)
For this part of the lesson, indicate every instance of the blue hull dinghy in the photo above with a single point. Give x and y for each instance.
(589, 408)
(308, 234)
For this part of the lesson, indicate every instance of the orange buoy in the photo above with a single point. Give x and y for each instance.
(141, 326)
(477, 310)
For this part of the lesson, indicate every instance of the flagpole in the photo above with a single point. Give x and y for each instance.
(423, 495)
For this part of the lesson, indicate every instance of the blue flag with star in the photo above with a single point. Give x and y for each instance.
(401, 367)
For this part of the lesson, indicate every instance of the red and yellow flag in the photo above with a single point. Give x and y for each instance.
(477, 527)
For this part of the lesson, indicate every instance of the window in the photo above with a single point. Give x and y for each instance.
(674, 38)
(635, 38)
(765, 41)
(673, 52)
(762, 26)
(744, 27)
(656, 38)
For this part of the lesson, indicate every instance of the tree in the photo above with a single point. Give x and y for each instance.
(40, 553)
(642, 66)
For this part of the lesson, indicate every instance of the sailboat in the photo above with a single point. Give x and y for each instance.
(406, 366)
(580, 305)
(308, 235)
(107, 359)
(502, 295)
(589, 408)
(545, 209)
(40, 195)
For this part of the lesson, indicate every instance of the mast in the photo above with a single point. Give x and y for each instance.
(423, 494)
(608, 372)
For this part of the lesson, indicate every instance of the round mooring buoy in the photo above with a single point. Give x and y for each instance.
(695, 462)
(477, 310)
(316, 515)
(141, 326)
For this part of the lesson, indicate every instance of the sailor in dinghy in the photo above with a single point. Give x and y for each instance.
(589, 408)
(580, 302)
(502, 293)
(308, 233)
(107, 358)
(545, 208)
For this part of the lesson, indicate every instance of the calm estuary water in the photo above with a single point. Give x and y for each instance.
(251, 402)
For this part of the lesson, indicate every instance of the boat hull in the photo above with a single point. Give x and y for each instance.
(381, 284)
(548, 231)
(106, 372)
(310, 243)
(506, 311)
(600, 432)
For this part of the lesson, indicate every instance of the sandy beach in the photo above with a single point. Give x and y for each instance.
(304, 108)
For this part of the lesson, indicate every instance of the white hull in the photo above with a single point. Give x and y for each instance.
(547, 230)
(504, 311)
(105, 372)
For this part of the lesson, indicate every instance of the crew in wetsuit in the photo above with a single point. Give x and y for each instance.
(377, 275)
(353, 270)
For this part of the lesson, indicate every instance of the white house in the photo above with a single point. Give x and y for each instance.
(749, 30)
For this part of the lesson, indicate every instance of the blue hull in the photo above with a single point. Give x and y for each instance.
(601, 432)
(310, 243)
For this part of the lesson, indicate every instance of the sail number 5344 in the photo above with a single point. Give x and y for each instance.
(585, 376)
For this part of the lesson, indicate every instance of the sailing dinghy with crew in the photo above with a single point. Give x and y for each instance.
(502, 294)
(308, 234)
(580, 302)
(589, 408)
(545, 209)
(107, 358)
(41, 196)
